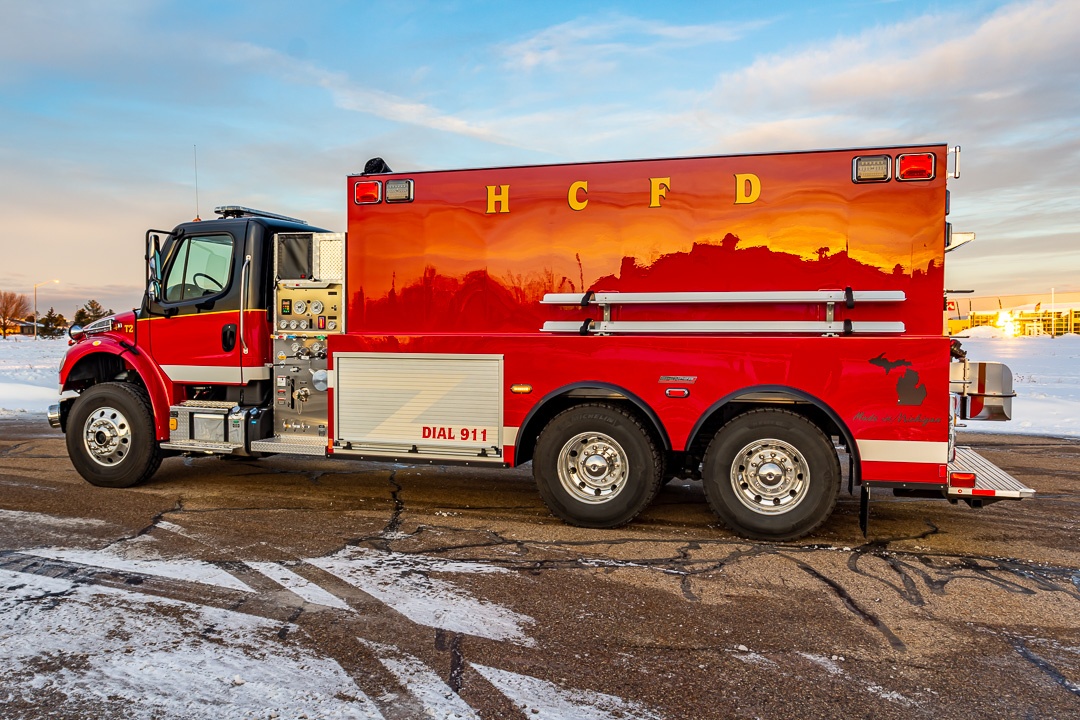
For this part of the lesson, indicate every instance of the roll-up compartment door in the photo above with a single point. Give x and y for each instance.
(393, 403)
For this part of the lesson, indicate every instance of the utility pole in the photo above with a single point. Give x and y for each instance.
(43, 282)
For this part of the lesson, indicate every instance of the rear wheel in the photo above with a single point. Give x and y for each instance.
(771, 475)
(596, 466)
(110, 436)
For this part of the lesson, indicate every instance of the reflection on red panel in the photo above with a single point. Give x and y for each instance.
(758, 222)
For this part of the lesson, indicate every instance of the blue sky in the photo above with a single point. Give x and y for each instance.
(102, 102)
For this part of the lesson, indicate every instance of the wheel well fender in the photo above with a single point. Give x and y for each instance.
(799, 401)
(109, 362)
(569, 395)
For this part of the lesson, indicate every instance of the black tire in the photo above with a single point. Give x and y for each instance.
(627, 466)
(110, 436)
(771, 474)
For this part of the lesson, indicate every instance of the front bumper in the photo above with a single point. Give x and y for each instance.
(54, 416)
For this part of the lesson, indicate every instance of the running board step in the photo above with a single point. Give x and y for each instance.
(292, 445)
(991, 482)
(202, 446)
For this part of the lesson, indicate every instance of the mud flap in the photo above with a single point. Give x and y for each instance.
(864, 507)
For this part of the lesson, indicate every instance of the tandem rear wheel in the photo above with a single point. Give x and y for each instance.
(771, 474)
(597, 466)
(110, 435)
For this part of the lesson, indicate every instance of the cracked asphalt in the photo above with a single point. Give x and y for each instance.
(941, 611)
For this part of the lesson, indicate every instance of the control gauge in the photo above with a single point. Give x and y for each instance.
(316, 348)
(331, 324)
(296, 348)
(316, 307)
(283, 324)
(293, 324)
(299, 307)
(303, 324)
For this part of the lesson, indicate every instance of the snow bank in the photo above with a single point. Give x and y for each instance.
(1046, 379)
(29, 374)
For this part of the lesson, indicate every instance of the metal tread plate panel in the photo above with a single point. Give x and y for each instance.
(990, 480)
(293, 445)
(223, 404)
(200, 446)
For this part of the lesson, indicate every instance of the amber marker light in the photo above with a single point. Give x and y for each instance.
(915, 166)
(521, 389)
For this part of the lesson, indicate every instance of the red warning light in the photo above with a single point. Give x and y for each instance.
(915, 166)
(962, 479)
(367, 192)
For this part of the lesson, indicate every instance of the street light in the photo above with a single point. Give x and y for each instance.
(43, 282)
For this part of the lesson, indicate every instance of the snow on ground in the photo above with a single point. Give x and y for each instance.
(29, 374)
(1046, 378)
(403, 582)
(151, 657)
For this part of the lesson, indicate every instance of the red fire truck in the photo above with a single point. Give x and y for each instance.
(761, 322)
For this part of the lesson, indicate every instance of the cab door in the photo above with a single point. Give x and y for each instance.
(195, 331)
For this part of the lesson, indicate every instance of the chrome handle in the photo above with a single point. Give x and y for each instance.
(243, 299)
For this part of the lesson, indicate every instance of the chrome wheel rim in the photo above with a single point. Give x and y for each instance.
(770, 476)
(593, 467)
(107, 436)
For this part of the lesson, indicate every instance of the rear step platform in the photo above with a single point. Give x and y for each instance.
(991, 482)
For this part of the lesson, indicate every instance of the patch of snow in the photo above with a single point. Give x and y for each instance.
(139, 657)
(29, 374)
(187, 570)
(303, 587)
(1046, 379)
(438, 699)
(546, 701)
(41, 519)
(830, 667)
(403, 582)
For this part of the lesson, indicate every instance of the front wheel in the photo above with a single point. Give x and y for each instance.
(110, 436)
(771, 475)
(597, 466)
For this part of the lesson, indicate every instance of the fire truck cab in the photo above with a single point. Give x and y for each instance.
(747, 320)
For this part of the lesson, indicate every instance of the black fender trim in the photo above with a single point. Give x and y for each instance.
(640, 404)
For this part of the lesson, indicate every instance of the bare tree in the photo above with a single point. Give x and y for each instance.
(13, 307)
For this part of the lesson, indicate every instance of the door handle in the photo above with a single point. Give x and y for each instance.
(228, 337)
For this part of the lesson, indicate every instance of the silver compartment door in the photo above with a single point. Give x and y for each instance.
(429, 405)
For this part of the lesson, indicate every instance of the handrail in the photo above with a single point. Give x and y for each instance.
(243, 299)
(674, 298)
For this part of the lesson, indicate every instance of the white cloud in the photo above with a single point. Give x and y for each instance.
(597, 43)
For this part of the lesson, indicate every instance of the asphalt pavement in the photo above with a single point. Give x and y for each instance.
(452, 592)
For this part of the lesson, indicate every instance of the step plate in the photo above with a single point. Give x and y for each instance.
(292, 445)
(990, 480)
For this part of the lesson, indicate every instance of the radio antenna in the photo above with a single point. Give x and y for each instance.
(196, 149)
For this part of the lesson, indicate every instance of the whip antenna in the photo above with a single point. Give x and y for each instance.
(196, 149)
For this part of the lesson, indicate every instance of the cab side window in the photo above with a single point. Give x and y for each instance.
(200, 268)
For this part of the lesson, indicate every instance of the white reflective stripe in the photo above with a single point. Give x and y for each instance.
(905, 451)
(255, 373)
(215, 373)
(510, 435)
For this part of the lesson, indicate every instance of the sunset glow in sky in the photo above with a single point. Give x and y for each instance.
(101, 103)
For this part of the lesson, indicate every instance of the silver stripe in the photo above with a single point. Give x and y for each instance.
(509, 435)
(215, 373)
(904, 451)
